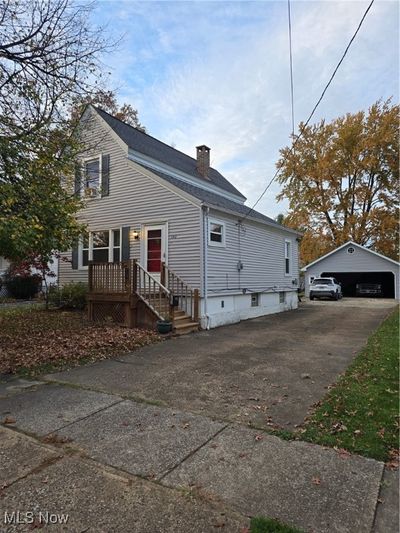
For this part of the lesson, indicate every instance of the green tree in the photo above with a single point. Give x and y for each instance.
(342, 179)
(49, 57)
(37, 209)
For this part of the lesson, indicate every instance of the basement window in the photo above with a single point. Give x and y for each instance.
(282, 297)
(255, 299)
(216, 233)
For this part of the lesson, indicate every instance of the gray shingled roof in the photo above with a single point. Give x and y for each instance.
(157, 150)
(151, 147)
(212, 199)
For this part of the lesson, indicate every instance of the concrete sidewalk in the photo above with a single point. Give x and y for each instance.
(114, 464)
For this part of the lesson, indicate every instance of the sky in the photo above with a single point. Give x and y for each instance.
(217, 73)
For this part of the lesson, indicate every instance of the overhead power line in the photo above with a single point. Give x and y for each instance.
(291, 64)
(318, 101)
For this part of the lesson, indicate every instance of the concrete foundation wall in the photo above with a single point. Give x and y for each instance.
(230, 309)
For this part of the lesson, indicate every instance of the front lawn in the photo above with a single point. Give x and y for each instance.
(360, 413)
(33, 340)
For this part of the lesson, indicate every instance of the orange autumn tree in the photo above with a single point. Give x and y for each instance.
(342, 182)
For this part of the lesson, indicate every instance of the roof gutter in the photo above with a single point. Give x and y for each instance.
(253, 219)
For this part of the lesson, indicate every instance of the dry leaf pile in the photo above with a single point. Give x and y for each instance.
(55, 337)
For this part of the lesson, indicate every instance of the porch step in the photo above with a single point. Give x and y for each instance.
(187, 327)
(182, 319)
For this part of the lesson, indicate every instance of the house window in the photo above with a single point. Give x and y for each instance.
(282, 297)
(101, 247)
(216, 234)
(288, 257)
(92, 176)
(255, 299)
(116, 245)
(85, 252)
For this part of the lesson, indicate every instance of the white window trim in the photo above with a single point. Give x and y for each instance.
(288, 274)
(223, 226)
(110, 247)
(83, 174)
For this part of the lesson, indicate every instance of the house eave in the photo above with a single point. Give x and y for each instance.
(253, 219)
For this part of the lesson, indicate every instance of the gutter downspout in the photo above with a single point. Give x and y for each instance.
(205, 263)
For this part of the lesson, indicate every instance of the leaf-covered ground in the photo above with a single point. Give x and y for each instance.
(35, 340)
(361, 412)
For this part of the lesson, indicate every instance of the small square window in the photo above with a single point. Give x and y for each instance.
(282, 297)
(255, 299)
(216, 234)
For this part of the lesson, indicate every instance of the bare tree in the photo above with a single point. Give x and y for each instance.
(49, 55)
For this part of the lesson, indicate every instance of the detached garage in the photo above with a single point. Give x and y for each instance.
(360, 271)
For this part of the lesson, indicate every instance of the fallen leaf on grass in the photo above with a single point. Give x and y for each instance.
(393, 463)
(258, 437)
(316, 480)
(9, 420)
(343, 454)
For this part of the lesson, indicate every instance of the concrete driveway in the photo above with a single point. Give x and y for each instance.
(83, 448)
(265, 372)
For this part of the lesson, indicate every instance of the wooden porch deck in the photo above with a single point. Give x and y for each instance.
(127, 294)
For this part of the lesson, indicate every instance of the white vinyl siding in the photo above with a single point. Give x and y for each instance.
(135, 200)
(262, 251)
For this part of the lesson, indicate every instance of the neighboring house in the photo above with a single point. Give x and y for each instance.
(352, 264)
(53, 265)
(148, 201)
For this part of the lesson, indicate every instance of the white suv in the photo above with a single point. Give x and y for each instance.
(325, 288)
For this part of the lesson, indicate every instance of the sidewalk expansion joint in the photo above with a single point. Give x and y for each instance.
(192, 452)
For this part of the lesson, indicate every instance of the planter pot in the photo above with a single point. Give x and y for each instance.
(164, 326)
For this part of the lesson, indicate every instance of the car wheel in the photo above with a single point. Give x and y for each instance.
(336, 297)
(311, 296)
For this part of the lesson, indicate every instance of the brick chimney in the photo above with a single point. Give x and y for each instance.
(203, 160)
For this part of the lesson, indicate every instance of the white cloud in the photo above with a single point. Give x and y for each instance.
(217, 73)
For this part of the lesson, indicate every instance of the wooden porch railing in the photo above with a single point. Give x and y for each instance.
(151, 291)
(110, 278)
(129, 277)
(186, 297)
